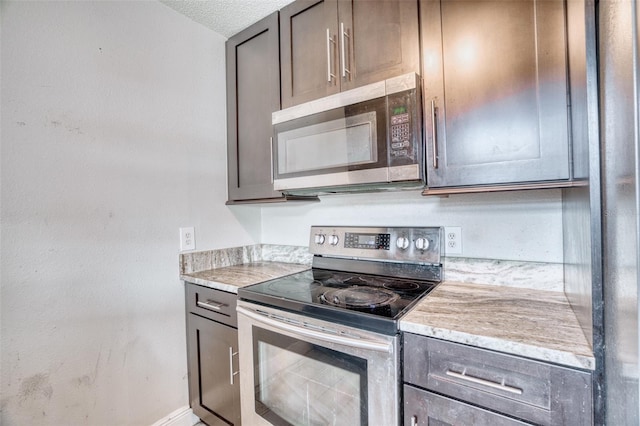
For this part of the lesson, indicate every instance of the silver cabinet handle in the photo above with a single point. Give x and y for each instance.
(231, 372)
(330, 40)
(343, 49)
(434, 132)
(494, 385)
(414, 421)
(271, 154)
(211, 304)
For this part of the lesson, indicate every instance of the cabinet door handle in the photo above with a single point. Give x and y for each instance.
(211, 305)
(271, 155)
(434, 132)
(330, 40)
(231, 372)
(343, 49)
(477, 380)
(414, 420)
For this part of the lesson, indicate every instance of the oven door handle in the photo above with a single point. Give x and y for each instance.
(359, 343)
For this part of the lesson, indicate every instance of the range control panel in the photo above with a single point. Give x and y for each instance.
(415, 245)
(367, 241)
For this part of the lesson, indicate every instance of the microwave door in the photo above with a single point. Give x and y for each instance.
(345, 146)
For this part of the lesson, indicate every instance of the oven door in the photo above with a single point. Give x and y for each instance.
(300, 371)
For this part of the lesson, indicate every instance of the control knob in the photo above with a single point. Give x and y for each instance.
(319, 239)
(422, 243)
(333, 240)
(402, 243)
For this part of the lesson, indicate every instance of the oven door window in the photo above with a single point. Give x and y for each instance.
(299, 383)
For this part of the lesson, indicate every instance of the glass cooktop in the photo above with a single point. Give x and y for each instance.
(365, 301)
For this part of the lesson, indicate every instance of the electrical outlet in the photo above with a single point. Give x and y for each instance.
(187, 239)
(452, 240)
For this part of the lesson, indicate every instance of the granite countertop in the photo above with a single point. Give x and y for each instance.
(536, 324)
(229, 278)
(510, 314)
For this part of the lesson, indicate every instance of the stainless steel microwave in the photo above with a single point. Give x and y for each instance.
(362, 139)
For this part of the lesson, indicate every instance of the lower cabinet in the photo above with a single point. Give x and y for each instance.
(212, 350)
(450, 383)
(428, 408)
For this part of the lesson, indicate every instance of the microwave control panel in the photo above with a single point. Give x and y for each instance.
(402, 128)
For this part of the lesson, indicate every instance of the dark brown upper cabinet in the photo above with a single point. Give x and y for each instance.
(253, 93)
(330, 46)
(495, 92)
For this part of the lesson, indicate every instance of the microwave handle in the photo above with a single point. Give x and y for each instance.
(341, 340)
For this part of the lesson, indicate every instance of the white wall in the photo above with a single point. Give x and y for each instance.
(113, 136)
(524, 225)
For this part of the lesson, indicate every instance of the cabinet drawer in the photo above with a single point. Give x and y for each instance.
(213, 304)
(530, 390)
(422, 408)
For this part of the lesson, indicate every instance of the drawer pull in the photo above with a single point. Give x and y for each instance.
(211, 304)
(414, 421)
(501, 386)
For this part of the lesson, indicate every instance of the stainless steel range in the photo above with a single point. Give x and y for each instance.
(322, 347)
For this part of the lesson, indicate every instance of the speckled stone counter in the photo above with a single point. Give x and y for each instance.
(230, 278)
(507, 273)
(511, 307)
(536, 324)
(228, 269)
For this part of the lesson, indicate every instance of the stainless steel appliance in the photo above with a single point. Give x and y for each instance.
(358, 139)
(322, 346)
(618, 294)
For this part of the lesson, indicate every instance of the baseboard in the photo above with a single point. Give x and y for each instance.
(181, 417)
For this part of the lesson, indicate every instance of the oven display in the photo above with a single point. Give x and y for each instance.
(367, 241)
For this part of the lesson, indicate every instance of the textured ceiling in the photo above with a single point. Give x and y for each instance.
(226, 17)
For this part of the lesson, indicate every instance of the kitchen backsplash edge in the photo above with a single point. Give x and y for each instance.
(533, 275)
(508, 273)
(213, 259)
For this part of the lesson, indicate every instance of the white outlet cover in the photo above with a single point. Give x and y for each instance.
(452, 240)
(187, 238)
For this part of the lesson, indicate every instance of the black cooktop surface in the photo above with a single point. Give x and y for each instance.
(365, 301)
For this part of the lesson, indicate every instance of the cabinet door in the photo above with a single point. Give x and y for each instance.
(378, 39)
(253, 93)
(495, 91)
(422, 408)
(213, 356)
(310, 53)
